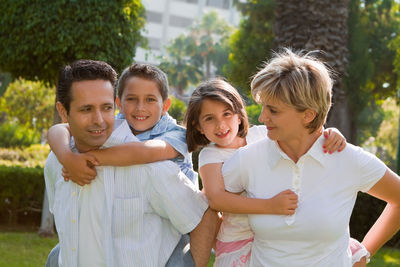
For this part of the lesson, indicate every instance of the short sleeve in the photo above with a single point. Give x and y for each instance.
(173, 196)
(211, 154)
(177, 139)
(234, 177)
(371, 169)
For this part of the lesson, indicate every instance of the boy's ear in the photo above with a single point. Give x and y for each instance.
(166, 105)
(118, 102)
(309, 116)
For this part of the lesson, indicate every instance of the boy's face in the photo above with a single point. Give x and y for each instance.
(142, 104)
(91, 114)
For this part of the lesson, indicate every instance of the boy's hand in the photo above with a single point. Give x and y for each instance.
(80, 168)
(285, 202)
(334, 141)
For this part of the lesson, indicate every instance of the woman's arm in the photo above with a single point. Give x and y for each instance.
(283, 203)
(388, 223)
(135, 153)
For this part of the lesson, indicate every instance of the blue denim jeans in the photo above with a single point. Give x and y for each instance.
(180, 257)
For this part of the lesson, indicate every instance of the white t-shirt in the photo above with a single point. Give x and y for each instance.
(234, 226)
(327, 185)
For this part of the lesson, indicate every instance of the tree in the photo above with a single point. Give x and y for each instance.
(251, 44)
(178, 65)
(197, 54)
(37, 38)
(30, 103)
(319, 25)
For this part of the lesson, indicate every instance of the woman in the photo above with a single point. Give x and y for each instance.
(295, 93)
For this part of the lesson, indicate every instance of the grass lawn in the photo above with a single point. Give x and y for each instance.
(27, 249)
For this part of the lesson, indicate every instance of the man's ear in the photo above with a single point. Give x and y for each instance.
(118, 102)
(62, 112)
(309, 116)
(166, 105)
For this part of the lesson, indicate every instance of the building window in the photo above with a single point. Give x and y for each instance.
(154, 43)
(153, 17)
(224, 4)
(180, 22)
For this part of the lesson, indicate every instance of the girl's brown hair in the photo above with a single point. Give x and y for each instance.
(218, 90)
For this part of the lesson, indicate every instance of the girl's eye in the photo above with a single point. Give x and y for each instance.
(227, 114)
(208, 119)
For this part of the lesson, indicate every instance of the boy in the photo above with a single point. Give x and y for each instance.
(143, 101)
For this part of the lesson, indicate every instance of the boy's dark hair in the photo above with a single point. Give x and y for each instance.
(144, 71)
(82, 70)
(218, 90)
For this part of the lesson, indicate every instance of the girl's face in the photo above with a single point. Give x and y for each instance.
(219, 124)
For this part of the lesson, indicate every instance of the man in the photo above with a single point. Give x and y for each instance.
(127, 216)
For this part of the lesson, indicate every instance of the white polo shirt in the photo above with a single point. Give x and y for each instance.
(327, 185)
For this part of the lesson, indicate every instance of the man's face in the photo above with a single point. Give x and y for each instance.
(91, 114)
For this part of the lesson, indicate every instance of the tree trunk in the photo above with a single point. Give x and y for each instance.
(47, 223)
(319, 25)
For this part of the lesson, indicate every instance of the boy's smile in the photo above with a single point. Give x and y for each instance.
(142, 104)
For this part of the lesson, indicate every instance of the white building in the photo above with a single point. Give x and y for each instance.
(167, 19)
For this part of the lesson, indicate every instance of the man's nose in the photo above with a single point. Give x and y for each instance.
(98, 117)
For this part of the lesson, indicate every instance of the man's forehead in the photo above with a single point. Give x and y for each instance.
(92, 91)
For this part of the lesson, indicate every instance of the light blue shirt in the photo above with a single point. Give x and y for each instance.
(169, 131)
(147, 209)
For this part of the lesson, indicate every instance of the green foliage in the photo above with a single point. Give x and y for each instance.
(177, 109)
(373, 26)
(253, 112)
(30, 103)
(384, 144)
(252, 43)
(37, 37)
(191, 56)
(13, 134)
(21, 192)
(5, 79)
(32, 156)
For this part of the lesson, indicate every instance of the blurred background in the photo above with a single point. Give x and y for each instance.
(191, 40)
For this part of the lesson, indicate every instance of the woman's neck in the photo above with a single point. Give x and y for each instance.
(297, 147)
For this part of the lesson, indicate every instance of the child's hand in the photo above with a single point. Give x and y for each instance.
(334, 141)
(285, 203)
(80, 168)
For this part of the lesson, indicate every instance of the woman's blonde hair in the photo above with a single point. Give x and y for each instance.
(298, 80)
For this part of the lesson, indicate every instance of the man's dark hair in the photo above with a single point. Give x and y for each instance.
(145, 71)
(82, 70)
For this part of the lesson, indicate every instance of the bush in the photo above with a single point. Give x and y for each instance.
(177, 109)
(32, 156)
(253, 111)
(13, 135)
(21, 193)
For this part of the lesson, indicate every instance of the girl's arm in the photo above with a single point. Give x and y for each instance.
(388, 223)
(335, 141)
(283, 203)
(135, 153)
(79, 166)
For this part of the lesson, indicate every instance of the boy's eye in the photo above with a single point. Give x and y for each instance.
(150, 99)
(130, 98)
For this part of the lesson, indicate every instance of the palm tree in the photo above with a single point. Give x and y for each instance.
(319, 25)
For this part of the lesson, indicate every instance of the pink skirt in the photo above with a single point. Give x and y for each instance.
(233, 254)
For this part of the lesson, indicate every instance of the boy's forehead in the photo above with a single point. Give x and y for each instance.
(140, 85)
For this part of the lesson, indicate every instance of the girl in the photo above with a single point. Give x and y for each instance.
(217, 121)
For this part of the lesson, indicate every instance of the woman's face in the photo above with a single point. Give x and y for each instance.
(283, 122)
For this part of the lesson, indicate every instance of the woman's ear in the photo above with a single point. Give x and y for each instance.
(309, 116)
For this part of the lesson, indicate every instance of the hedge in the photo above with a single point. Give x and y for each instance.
(21, 194)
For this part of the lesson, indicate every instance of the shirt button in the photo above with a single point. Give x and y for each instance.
(74, 193)
(73, 220)
(73, 249)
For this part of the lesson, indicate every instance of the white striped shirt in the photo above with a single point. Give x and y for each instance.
(148, 207)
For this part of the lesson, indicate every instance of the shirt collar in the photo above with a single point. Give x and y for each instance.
(160, 128)
(316, 152)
